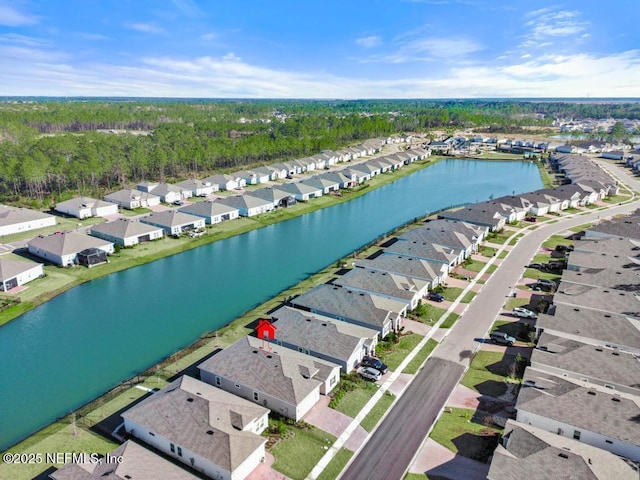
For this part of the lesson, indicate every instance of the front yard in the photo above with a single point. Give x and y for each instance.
(300, 450)
(490, 371)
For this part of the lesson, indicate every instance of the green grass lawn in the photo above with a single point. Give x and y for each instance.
(515, 240)
(373, 417)
(58, 437)
(512, 303)
(616, 199)
(555, 240)
(535, 274)
(336, 465)
(428, 313)
(451, 319)
(488, 373)
(503, 254)
(463, 432)
(498, 238)
(468, 296)
(580, 228)
(487, 251)
(64, 224)
(296, 456)
(413, 366)
(394, 353)
(475, 265)
(359, 393)
(451, 293)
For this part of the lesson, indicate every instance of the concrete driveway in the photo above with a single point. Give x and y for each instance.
(435, 460)
(334, 422)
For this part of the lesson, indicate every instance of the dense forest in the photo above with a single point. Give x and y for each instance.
(51, 149)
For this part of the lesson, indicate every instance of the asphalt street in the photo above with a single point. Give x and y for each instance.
(389, 451)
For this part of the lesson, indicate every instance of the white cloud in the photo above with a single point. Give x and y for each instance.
(11, 17)
(145, 27)
(18, 39)
(187, 7)
(546, 23)
(92, 36)
(210, 36)
(369, 42)
(427, 49)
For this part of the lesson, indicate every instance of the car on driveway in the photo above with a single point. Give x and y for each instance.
(523, 313)
(369, 373)
(436, 297)
(374, 362)
(502, 338)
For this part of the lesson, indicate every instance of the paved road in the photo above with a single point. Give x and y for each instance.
(408, 423)
(388, 453)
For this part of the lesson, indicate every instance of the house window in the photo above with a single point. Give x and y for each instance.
(172, 447)
(332, 382)
(279, 342)
(255, 396)
(218, 381)
(576, 434)
(179, 451)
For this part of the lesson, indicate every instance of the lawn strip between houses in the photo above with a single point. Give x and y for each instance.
(377, 412)
(336, 465)
(414, 365)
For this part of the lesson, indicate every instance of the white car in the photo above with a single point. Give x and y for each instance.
(523, 313)
(369, 373)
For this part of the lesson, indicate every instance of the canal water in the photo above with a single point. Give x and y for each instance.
(75, 347)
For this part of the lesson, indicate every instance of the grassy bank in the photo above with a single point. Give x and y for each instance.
(58, 279)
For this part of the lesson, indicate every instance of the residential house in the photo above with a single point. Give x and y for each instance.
(17, 220)
(280, 171)
(301, 191)
(212, 431)
(542, 203)
(396, 161)
(588, 364)
(289, 168)
(167, 192)
(279, 197)
(627, 227)
(269, 173)
(359, 175)
(132, 199)
(597, 298)
(248, 205)
(594, 327)
(198, 188)
(126, 232)
(367, 310)
(173, 222)
(447, 233)
(327, 186)
(128, 461)
(338, 177)
(324, 337)
(69, 248)
(432, 272)
(484, 214)
(213, 211)
(284, 380)
(85, 207)
(529, 452)
(386, 284)
(226, 182)
(426, 251)
(519, 204)
(249, 177)
(14, 273)
(597, 417)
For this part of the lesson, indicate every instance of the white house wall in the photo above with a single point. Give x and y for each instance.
(594, 439)
(31, 274)
(26, 226)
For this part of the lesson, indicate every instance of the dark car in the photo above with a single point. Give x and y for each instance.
(539, 266)
(502, 338)
(530, 219)
(436, 297)
(564, 248)
(373, 362)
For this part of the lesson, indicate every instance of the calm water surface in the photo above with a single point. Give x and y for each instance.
(83, 342)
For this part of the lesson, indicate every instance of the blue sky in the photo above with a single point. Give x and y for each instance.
(328, 49)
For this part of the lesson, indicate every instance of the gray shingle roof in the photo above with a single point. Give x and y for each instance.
(170, 218)
(127, 195)
(369, 309)
(83, 202)
(484, 213)
(244, 201)
(532, 453)
(441, 233)
(318, 333)
(123, 228)
(610, 366)
(424, 250)
(66, 243)
(137, 463)
(279, 372)
(583, 408)
(385, 283)
(187, 409)
(628, 227)
(411, 266)
(604, 299)
(208, 208)
(13, 215)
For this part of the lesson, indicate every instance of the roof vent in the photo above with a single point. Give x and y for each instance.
(362, 294)
(615, 399)
(324, 324)
(189, 399)
(576, 309)
(563, 455)
(255, 351)
(606, 315)
(591, 392)
(615, 353)
(209, 432)
(269, 356)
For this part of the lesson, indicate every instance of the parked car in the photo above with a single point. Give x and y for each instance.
(502, 338)
(436, 297)
(178, 202)
(530, 219)
(539, 266)
(374, 362)
(369, 373)
(523, 313)
(564, 248)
